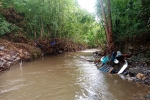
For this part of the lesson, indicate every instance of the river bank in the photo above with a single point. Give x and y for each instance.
(138, 69)
(22, 50)
(68, 77)
(54, 61)
(12, 53)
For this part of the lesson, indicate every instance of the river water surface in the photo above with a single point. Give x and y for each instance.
(65, 77)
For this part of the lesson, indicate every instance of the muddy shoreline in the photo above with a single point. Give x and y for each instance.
(138, 69)
(18, 52)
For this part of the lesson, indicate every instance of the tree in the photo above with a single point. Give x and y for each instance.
(107, 24)
(46, 19)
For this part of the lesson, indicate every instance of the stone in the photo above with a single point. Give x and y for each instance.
(140, 75)
(134, 70)
(2, 48)
(147, 96)
(144, 78)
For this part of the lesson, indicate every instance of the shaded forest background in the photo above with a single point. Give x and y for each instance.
(41, 20)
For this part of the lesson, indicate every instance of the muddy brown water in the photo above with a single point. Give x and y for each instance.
(65, 77)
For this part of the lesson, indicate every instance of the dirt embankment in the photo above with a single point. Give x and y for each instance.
(12, 53)
(17, 47)
(138, 65)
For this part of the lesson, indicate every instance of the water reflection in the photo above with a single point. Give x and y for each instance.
(92, 83)
(64, 77)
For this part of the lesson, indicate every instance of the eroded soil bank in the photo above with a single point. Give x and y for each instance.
(19, 49)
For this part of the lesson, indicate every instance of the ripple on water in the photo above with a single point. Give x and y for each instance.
(64, 78)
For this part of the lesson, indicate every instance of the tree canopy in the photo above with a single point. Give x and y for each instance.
(42, 19)
(55, 19)
(130, 18)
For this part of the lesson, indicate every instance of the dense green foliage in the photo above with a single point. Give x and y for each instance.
(129, 17)
(65, 19)
(6, 27)
(56, 19)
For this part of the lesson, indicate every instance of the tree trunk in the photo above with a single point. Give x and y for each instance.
(107, 24)
(35, 36)
(42, 29)
(105, 20)
(110, 41)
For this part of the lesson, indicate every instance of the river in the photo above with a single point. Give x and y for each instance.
(65, 77)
